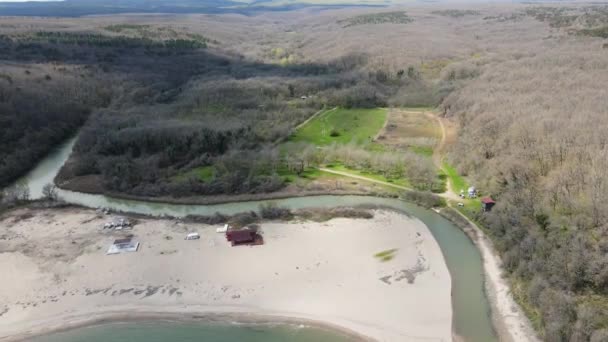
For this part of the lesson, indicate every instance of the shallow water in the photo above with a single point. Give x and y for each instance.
(193, 332)
(471, 308)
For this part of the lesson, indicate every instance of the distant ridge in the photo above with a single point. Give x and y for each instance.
(77, 8)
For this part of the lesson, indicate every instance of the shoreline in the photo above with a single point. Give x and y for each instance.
(179, 314)
(508, 325)
(302, 284)
(226, 199)
(509, 320)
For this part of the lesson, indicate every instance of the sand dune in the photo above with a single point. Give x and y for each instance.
(56, 274)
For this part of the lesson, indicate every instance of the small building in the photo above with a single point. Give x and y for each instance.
(487, 203)
(244, 237)
(472, 192)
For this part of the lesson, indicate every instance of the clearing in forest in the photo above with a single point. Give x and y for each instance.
(343, 126)
(410, 129)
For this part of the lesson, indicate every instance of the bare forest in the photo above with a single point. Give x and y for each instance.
(157, 98)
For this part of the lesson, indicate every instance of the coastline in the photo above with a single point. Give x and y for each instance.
(180, 314)
(315, 285)
(509, 321)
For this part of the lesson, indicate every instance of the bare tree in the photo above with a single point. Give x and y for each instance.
(49, 192)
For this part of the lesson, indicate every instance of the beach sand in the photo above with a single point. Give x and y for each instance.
(56, 274)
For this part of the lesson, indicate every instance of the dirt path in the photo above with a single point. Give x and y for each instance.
(438, 157)
(314, 116)
(439, 149)
(509, 319)
(363, 178)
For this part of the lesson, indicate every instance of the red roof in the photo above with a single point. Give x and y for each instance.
(240, 236)
(487, 200)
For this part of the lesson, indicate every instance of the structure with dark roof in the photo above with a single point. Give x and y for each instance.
(487, 203)
(244, 237)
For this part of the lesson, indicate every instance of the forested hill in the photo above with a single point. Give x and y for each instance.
(163, 103)
(533, 135)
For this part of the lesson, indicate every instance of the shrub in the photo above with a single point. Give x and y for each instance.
(425, 199)
(243, 219)
(271, 211)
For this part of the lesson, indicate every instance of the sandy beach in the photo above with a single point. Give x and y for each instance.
(60, 276)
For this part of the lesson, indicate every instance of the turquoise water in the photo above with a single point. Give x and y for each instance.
(472, 319)
(192, 332)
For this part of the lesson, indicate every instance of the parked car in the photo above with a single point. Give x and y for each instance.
(193, 236)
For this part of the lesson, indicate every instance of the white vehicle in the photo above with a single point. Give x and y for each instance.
(193, 236)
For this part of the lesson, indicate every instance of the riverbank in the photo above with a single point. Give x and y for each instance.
(330, 184)
(223, 199)
(510, 321)
(307, 271)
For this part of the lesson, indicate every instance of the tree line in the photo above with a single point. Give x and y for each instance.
(532, 134)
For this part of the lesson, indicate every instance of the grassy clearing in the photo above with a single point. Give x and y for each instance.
(411, 128)
(386, 255)
(203, 173)
(458, 182)
(309, 173)
(206, 174)
(426, 151)
(369, 174)
(472, 206)
(342, 126)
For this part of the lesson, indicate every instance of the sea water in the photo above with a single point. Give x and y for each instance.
(194, 332)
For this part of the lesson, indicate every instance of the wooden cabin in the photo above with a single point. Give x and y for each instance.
(487, 203)
(242, 237)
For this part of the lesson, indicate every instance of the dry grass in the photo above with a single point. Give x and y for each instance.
(409, 129)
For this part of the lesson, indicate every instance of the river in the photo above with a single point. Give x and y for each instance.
(472, 319)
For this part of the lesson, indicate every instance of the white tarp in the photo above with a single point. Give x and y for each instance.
(132, 246)
(222, 229)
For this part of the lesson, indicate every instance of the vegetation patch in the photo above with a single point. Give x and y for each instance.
(411, 129)
(386, 255)
(202, 173)
(324, 214)
(424, 199)
(291, 175)
(342, 126)
(455, 13)
(397, 17)
(401, 181)
(458, 182)
(432, 69)
(99, 40)
(426, 151)
(118, 28)
(601, 32)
